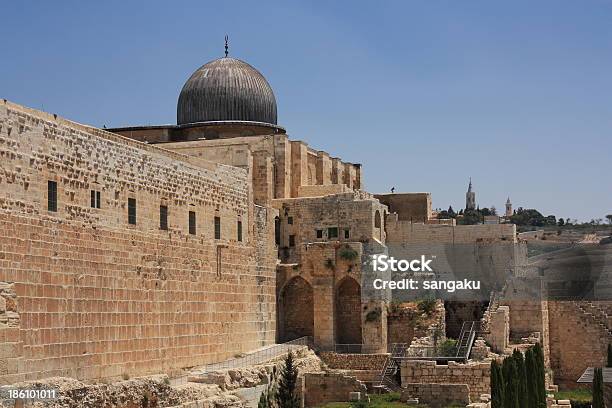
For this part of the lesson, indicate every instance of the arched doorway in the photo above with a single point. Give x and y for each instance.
(297, 310)
(348, 312)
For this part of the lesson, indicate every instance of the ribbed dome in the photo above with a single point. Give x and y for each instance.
(226, 89)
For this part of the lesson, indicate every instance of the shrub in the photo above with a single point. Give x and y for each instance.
(347, 253)
(427, 306)
(598, 391)
(447, 348)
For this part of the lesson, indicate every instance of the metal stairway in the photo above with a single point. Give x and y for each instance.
(466, 339)
(387, 381)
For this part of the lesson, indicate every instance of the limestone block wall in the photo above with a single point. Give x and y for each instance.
(399, 231)
(437, 395)
(475, 375)
(280, 168)
(577, 341)
(352, 215)
(413, 207)
(354, 361)
(321, 388)
(87, 295)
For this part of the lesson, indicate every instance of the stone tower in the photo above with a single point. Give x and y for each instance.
(508, 208)
(470, 198)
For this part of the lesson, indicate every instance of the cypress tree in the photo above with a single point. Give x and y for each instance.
(286, 396)
(532, 386)
(510, 383)
(497, 385)
(522, 378)
(540, 372)
(609, 355)
(598, 392)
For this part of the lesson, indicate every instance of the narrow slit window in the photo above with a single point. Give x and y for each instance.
(95, 199)
(132, 211)
(239, 231)
(192, 222)
(347, 234)
(163, 217)
(217, 227)
(52, 196)
(291, 240)
(319, 233)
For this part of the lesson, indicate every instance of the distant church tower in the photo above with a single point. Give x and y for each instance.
(508, 208)
(470, 198)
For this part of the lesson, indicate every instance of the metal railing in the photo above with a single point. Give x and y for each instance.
(348, 348)
(256, 357)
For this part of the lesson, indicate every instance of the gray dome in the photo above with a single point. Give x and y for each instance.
(226, 89)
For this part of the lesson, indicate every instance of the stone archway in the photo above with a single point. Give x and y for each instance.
(348, 312)
(296, 310)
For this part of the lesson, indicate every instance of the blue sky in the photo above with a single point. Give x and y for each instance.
(516, 94)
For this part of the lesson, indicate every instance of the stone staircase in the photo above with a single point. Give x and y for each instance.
(596, 314)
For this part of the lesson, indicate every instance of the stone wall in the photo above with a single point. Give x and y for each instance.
(88, 295)
(475, 375)
(577, 340)
(280, 168)
(399, 231)
(322, 388)
(437, 395)
(354, 361)
(412, 207)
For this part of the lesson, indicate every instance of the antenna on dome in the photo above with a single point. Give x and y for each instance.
(226, 46)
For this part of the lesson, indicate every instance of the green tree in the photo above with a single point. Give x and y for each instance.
(598, 391)
(522, 377)
(561, 222)
(532, 386)
(538, 354)
(286, 396)
(609, 355)
(609, 218)
(497, 385)
(511, 383)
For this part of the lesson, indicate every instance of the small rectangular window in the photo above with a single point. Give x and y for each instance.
(290, 220)
(319, 233)
(95, 199)
(291, 240)
(347, 233)
(217, 227)
(132, 211)
(332, 232)
(192, 222)
(163, 217)
(52, 196)
(239, 231)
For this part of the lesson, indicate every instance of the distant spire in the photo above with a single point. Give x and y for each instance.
(470, 186)
(226, 46)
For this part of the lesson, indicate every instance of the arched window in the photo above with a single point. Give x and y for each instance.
(377, 219)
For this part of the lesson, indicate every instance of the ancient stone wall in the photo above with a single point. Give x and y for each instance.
(399, 231)
(280, 168)
(412, 207)
(321, 388)
(354, 361)
(577, 340)
(88, 295)
(437, 395)
(475, 375)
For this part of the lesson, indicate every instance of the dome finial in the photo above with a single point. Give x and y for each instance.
(226, 46)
